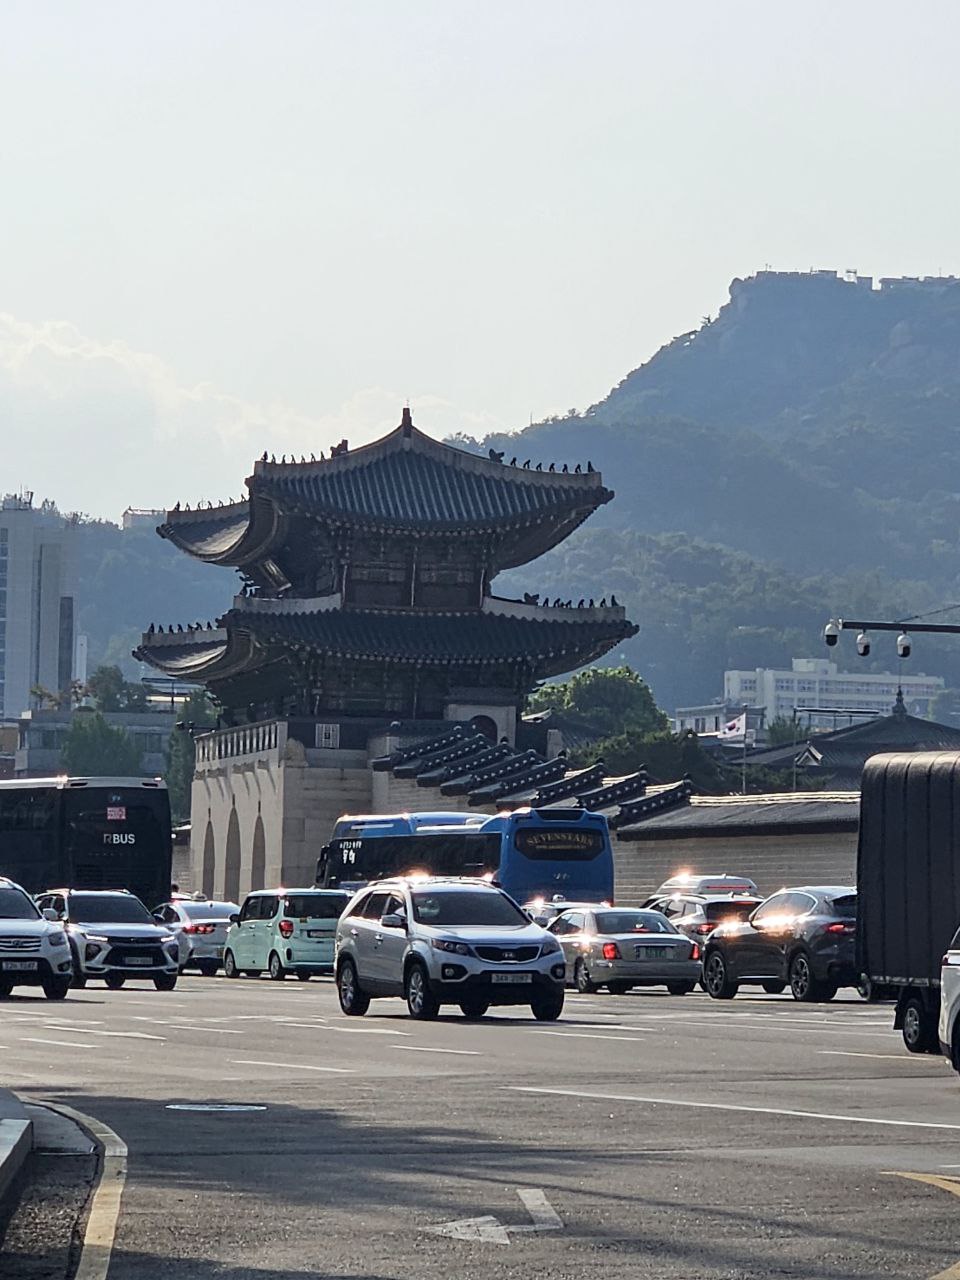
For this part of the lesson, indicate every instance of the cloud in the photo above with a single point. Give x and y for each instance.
(99, 426)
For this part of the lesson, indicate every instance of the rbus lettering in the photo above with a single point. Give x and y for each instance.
(119, 837)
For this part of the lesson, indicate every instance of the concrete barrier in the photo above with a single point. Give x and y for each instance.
(16, 1138)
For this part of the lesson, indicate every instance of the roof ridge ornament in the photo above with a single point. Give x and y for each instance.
(406, 421)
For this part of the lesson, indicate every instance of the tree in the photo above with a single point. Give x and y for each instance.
(783, 732)
(198, 713)
(110, 691)
(607, 700)
(93, 748)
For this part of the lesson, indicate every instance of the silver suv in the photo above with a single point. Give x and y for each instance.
(113, 936)
(437, 941)
(33, 949)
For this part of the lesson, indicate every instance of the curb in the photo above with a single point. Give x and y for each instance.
(16, 1138)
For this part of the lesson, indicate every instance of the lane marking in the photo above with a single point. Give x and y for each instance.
(893, 1057)
(63, 1044)
(213, 1031)
(418, 1048)
(732, 1106)
(944, 1184)
(585, 1035)
(214, 1106)
(545, 1217)
(101, 1229)
(289, 1066)
(489, 1230)
(123, 1035)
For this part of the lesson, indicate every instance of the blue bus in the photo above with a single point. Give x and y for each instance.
(530, 853)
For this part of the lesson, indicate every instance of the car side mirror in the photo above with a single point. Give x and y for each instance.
(235, 918)
(393, 920)
(49, 914)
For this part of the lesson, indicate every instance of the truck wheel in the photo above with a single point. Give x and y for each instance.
(717, 980)
(919, 1027)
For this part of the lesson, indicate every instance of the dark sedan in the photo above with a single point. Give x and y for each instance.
(801, 937)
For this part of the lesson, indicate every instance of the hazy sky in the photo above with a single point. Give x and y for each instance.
(247, 224)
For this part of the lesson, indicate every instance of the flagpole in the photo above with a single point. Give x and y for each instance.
(743, 781)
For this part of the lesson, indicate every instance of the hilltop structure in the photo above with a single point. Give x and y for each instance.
(366, 621)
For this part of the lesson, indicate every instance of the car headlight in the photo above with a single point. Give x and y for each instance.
(449, 944)
(57, 939)
(167, 939)
(550, 946)
(96, 937)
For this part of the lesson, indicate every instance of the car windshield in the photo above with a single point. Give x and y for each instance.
(717, 911)
(15, 905)
(108, 909)
(467, 907)
(315, 906)
(633, 922)
(209, 910)
(845, 906)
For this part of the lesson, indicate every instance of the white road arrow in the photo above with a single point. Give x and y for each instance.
(489, 1230)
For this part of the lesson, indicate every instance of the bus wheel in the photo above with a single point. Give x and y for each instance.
(230, 969)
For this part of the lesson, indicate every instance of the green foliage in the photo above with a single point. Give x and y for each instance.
(197, 713)
(110, 691)
(782, 732)
(667, 757)
(606, 700)
(94, 748)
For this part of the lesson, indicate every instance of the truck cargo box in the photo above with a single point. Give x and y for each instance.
(908, 866)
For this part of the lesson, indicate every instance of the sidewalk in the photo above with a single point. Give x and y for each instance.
(16, 1138)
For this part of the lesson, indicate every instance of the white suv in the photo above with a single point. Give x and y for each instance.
(33, 950)
(949, 1029)
(437, 941)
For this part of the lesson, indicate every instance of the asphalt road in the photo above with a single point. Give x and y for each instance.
(649, 1135)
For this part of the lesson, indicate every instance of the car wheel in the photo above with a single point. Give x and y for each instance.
(208, 968)
(6, 987)
(716, 978)
(165, 981)
(619, 988)
(230, 969)
(353, 1001)
(56, 988)
(474, 1008)
(421, 1002)
(773, 988)
(919, 1029)
(275, 968)
(547, 1008)
(803, 985)
(303, 975)
(581, 979)
(680, 988)
(115, 981)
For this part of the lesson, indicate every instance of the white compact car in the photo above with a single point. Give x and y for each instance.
(33, 949)
(200, 927)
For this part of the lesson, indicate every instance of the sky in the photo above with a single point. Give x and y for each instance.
(236, 225)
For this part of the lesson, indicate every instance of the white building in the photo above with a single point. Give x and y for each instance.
(37, 622)
(142, 518)
(816, 682)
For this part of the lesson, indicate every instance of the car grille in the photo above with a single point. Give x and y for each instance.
(18, 943)
(508, 955)
(118, 954)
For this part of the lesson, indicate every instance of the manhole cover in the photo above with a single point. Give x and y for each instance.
(214, 1106)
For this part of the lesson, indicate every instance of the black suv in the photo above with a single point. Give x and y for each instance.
(803, 936)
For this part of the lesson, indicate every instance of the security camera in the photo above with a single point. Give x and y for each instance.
(831, 634)
(903, 645)
(863, 644)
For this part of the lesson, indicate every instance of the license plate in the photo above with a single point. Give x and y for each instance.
(20, 966)
(651, 953)
(132, 960)
(511, 978)
(319, 933)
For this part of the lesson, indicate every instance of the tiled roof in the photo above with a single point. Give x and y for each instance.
(782, 813)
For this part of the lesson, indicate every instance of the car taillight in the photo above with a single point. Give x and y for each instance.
(705, 928)
(286, 928)
(695, 953)
(199, 928)
(611, 951)
(840, 927)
